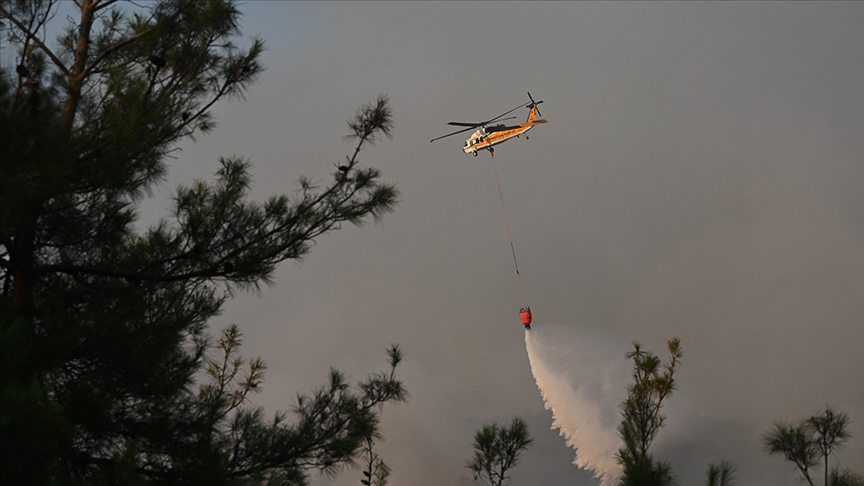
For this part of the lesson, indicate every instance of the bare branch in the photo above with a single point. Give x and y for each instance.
(101, 4)
(31, 35)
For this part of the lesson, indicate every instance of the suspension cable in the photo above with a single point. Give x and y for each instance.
(507, 223)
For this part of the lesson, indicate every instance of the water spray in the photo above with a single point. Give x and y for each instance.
(582, 380)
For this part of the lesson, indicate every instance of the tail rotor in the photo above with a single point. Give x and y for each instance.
(534, 103)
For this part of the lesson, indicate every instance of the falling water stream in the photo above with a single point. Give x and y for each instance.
(582, 378)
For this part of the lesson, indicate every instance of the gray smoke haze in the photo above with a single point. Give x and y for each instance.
(701, 176)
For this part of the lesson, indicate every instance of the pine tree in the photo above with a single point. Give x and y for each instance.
(104, 327)
(803, 442)
(497, 450)
(653, 381)
(722, 474)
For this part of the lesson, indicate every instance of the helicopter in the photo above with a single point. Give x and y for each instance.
(486, 137)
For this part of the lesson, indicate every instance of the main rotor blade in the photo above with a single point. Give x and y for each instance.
(454, 133)
(464, 124)
(503, 114)
(481, 124)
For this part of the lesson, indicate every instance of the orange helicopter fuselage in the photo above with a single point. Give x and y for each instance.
(487, 138)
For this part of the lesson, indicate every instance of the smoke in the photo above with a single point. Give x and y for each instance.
(582, 378)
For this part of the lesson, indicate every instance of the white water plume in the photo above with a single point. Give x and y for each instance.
(582, 378)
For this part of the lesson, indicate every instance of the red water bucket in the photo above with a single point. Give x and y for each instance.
(525, 316)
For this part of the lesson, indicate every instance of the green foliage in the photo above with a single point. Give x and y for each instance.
(497, 450)
(721, 475)
(845, 477)
(376, 471)
(225, 384)
(653, 381)
(794, 443)
(802, 443)
(829, 431)
(104, 327)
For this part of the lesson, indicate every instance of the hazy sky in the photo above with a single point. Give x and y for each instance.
(701, 176)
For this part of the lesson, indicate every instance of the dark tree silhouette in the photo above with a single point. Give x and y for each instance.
(722, 474)
(802, 443)
(104, 327)
(653, 381)
(830, 433)
(497, 450)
